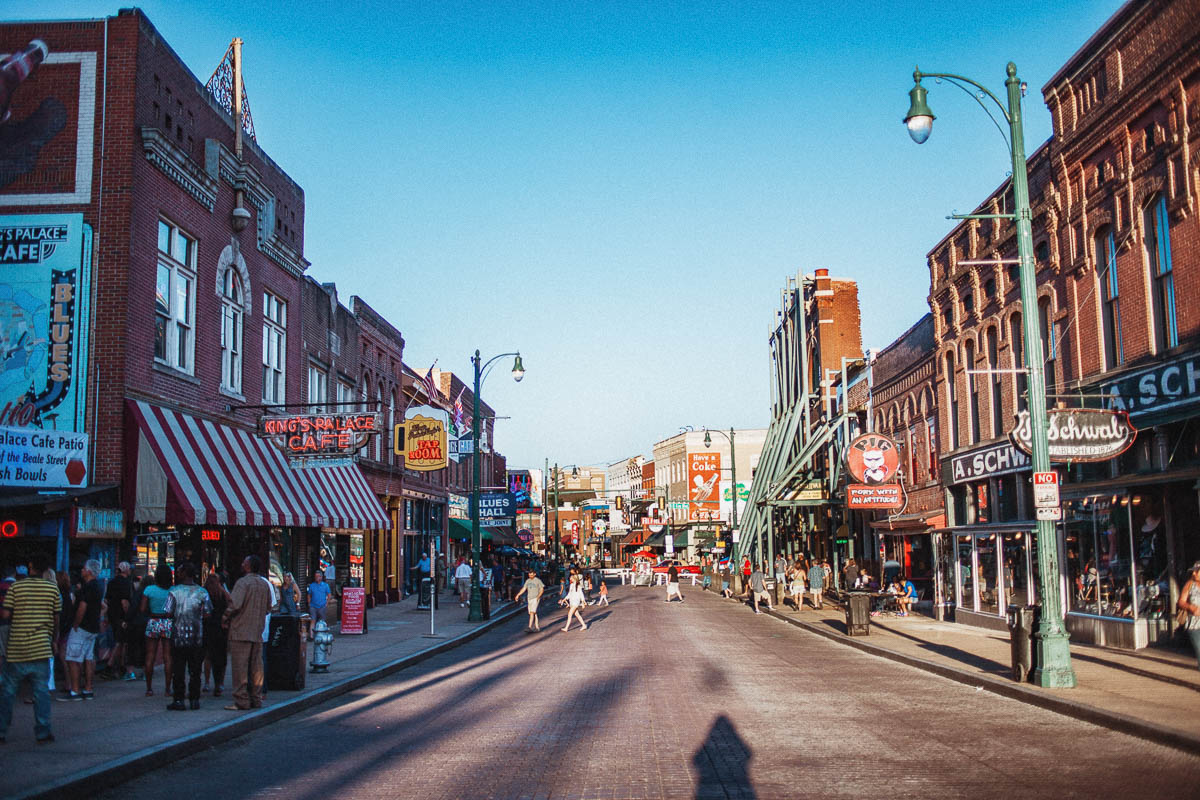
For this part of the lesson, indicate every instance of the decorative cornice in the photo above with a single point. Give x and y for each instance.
(175, 164)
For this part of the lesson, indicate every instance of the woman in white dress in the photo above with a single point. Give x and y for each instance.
(575, 600)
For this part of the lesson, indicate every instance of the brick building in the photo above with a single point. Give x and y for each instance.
(196, 273)
(1117, 242)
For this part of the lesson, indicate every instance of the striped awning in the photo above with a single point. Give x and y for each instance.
(193, 471)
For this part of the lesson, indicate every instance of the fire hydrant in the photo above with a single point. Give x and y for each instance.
(323, 639)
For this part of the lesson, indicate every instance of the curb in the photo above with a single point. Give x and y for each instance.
(1189, 743)
(113, 773)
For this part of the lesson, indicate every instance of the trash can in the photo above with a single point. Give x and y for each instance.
(286, 654)
(858, 614)
(1021, 622)
(485, 602)
(425, 589)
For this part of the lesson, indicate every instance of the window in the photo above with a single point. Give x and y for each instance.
(274, 351)
(379, 408)
(1014, 273)
(968, 302)
(1162, 278)
(1049, 346)
(952, 395)
(989, 289)
(1017, 337)
(231, 331)
(1041, 252)
(1110, 309)
(175, 298)
(972, 391)
(993, 360)
(345, 395)
(931, 442)
(948, 318)
(318, 389)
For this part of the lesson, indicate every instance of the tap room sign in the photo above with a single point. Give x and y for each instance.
(45, 291)
(1079, 434)
(305, 436)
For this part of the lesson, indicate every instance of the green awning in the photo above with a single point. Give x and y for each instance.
(460, 530)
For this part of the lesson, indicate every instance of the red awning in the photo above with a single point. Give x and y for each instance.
(192, 471)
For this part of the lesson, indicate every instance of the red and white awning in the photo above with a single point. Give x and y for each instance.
(192, 471)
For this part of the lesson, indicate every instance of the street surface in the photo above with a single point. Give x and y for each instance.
(697, 699)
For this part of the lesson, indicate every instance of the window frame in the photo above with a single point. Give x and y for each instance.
(1157, 238)
(1110, 299)
(274, 375)
(317, 400)
(180, 318)
(233, 332)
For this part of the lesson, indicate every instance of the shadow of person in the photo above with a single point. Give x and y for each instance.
(722, 763)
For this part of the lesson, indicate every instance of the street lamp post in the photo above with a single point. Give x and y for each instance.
(1051, 640)
(732, 478)
(475, 613)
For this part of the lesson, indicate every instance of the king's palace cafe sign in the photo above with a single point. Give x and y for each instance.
(320, 435)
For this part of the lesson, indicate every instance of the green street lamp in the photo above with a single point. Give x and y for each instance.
(557, 536)
(475, 614)
(1051, 640)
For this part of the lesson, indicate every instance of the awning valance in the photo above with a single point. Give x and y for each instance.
(192, 471)
(460, 530)
(921, 522)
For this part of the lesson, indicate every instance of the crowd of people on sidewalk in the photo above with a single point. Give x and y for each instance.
(55, 631)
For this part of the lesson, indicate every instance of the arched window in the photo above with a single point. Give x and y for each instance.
(952, 397)
(972, 391)
(379, 408)
(1110, 298)
(391, 426)
(1016, 337)
(232, 319)
(1162, 277)
(993, 381)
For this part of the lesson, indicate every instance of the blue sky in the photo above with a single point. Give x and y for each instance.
(619, 190)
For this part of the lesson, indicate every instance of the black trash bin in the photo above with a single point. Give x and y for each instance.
(858, 614)
(423, 599)
(285, 653)
(1021, 623)
(485, 602)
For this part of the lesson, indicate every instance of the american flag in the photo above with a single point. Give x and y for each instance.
(435, 394)
(462, 424)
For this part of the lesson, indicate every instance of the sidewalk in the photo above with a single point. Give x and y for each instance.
(122, 732)
(1154, 694)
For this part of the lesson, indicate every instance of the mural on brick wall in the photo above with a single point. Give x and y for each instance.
(45, 290)
(47, 117)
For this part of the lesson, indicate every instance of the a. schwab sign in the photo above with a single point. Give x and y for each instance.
(1174, 384)
(497, 508)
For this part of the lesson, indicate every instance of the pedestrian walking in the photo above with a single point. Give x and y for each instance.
(816, 583)
(462, 579)
(31, 608)
(189, 605)
(249, 605)
(119, 597)
(158, 628)
(780, 572)
(1189, 608)
(81, 641)
(575, 601)
(318, 597)
(758, 588)
(604, 594)
(851, 573)
(533, 590)
(673, 583)
(796, 586)
(216, 645)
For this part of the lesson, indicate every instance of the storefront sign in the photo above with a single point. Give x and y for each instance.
(354, 607)
(1174, 384)
(864, 496)
(99, 523)
(45, 459)
(987, 462)
(422, 442)
(318, 435)
(812, 490)
(1079, 434)
(45, 291)
(210, 535)
(873, 459)
(525, 535)
(704, 477)
(460, 506)
(497, 508)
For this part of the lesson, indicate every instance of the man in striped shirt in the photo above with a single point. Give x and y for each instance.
(32, 606)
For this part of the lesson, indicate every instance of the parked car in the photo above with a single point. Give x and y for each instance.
(684, 569)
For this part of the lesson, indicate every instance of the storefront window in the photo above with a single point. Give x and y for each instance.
(986, 580)
(966, 574)
(1016, 568)
(357, 551)
(1100, 557)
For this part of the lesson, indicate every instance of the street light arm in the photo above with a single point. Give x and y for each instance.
(959, 80)
(487, 364)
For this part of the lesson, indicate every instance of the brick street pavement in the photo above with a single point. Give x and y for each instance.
(699, 699)
(122, 720)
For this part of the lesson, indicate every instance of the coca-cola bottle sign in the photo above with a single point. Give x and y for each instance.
(1078, 434)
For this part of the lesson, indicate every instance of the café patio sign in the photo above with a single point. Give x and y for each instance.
(1079, 434)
